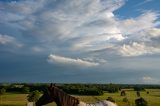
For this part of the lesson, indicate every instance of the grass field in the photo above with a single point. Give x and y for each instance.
(153, 98)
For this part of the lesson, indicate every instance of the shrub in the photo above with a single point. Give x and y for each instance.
(33, 96)
(141, 102)
(123, 93)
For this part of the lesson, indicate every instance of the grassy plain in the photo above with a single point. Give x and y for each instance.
(153, 98)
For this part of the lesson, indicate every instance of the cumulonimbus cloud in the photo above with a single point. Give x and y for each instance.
(55, 59)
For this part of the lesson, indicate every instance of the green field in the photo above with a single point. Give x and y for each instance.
(153, 98)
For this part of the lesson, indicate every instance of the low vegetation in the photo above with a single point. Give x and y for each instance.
(141, 102)
(19, 94)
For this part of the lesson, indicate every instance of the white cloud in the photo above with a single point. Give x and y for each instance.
(97, 60)
(150, 80)
(147, 78)
(9, 40)
(137, 49)
(55, 59)
(37, 49)
(95, 42)
(56, 22)
(145, 21)
(140, 35)
(154, 32)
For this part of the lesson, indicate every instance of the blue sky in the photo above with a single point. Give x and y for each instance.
(80, 41)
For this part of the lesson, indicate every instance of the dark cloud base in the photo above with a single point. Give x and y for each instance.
(34, 69)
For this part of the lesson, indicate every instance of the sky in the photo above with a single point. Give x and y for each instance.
(80, 41)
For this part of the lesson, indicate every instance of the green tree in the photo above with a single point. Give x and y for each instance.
(25, 89)
(33, 96)
(137, 88)
(112, 88)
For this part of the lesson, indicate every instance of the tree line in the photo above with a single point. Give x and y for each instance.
(81, 89)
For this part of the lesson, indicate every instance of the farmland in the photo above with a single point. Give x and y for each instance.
(153, 98)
